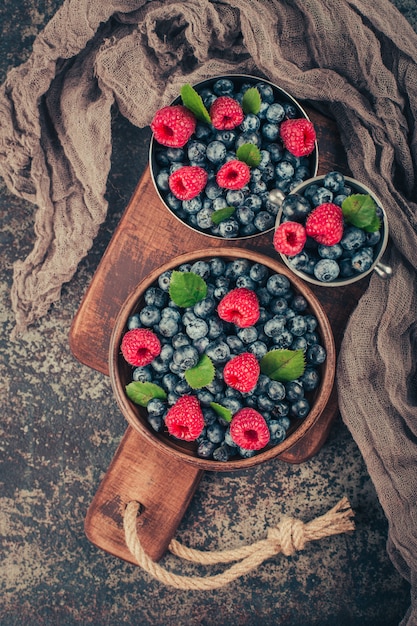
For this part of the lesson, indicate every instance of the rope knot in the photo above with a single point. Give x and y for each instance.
(288, 536)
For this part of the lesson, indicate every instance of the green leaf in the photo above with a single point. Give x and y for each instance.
(187, 288)
(221, 411)
(374, 225)
(251, 102)
(202, 374)
(283, 365)
(192, 100)
(360, 210)
(249, 154)
(222, 214)
(140, 393)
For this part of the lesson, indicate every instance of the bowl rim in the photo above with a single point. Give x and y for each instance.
(153, 144)
(170, 446)
(383, 243)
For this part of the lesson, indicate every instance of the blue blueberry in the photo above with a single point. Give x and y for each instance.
(278, 285)
(330, 252)
(223, 87)
(251, 122)
(196, 152)
(185, 357)
(321, 196)
(277, 431)
(295, 207)
(276, 390)
(362, 261)
(142, 374)
(310, 378)
(197, 329)
(297, 325)
(300, 408)
(326, 270)
(205, 449)
(134, 322)
(316, 354)
(294, 390)
(229, 228)
(218, 351)
(334, 181)
(216, 151)
(353, 238)
(284, 170)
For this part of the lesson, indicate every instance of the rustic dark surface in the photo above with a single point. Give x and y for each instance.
(61, 428)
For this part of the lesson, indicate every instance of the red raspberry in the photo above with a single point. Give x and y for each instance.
(233, 175)
(187, 181)
(140, 346)
(325, 224)
(298, 136)
(173, 125)
(226, 113)
(242, 372)
(184, 419)
(289, 238)
(240, 306)
(249, 430)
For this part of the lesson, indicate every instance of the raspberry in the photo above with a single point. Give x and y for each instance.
(233, 174)
(249, 430)
(298, 136)
(239, 306)
(226, 113)
(325, 224)
(242, 372)
(184, 419)
(289, 238)
(140, 346)
(187, 181)
(173, 125)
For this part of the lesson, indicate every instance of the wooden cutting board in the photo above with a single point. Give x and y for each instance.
(146, 237)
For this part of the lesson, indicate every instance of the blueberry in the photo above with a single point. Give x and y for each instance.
(235, 344)
(251, 122)
(221, 287)
(270, 131)
(244, 215)
(330, 252)
(353, 238)
(197, 329)
(373, 238)
(236, 268)
(205, 307)
(205, 397)
(311, 321)
(216, 151)
(235, 197)
(300, 261)
(246, 282)
(299, 343)
(275, 326)
(258, 272)
(248, 335)
(219, 203)
(297, 325)
(310, 378)
(164, 280)
(249, 137)
(334, 181)
(233, 404)
(321, 196)
(275, 113)
(229, 228)
(276, 152)
(346, 269)
(134, 321)
(203, 131)
(156, 406)
(266, 91)
(155, 296)
(299, 303)
(294, 390)
(258, 348)
(277, 431)
(217, 266)
(168, 326)
(227, 137)
(196, 152)
(291, 110)
(212, 190)
(281, 409)
(300, 409)
(316, 354)
(278, 285)
(182, 388)
(170, 381)
(276, 390)
(284, 170)
(283, 340)
(162, 180)
(362, 261)
(218, 351)
(201, 344)
(223, 87)
(310, 191)
(156, 422)
(150, 315)
(295, 207)
(185, 357)
(326, 270)
(264, 221)
(278, 306)
(142, 374)
(205, 449)
(222, 453)
(201, 268)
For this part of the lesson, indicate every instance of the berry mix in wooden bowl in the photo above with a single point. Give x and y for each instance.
(332, 230)
(222, 358)
(221, 147)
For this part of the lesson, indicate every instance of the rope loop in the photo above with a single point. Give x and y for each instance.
(287, 537)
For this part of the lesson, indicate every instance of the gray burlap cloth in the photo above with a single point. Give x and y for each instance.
(355, 59)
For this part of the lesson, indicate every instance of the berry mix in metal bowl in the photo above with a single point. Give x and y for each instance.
(332, 230)
(222, 145)
(223, 358)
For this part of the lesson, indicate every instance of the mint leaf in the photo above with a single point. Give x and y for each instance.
(202, 374)
(251, 102)
(140, 393)
(192, 100)
(221, 411)
(249, 154)
(222, 214)
(360, 210)
(283, 365)
(187, 288)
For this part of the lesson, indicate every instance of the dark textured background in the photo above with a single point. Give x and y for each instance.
(61, 427)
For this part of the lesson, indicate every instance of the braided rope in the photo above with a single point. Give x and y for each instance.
(287, 537)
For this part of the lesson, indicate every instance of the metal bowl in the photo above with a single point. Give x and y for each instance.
(381, 268)
(280, 95)
(121, 371)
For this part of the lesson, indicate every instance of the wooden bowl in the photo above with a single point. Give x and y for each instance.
(121, 371)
